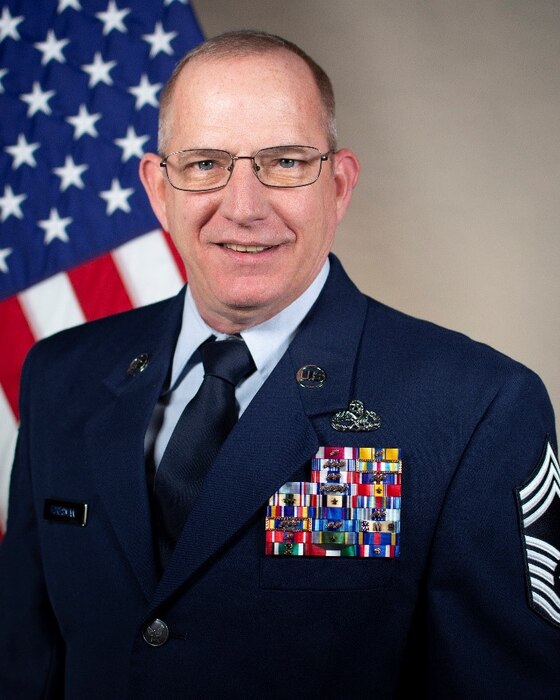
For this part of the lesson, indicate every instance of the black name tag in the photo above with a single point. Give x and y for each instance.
(65, 512)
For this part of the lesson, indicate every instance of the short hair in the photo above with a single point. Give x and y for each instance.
(248, 42)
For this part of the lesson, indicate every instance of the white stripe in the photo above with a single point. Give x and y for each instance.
(51, 306)
(8, 437)
(535, 482)
(547, 481)
(537, 584)
(548, 496)
(539, 571)
(541, 544)
(148, 268)
(545, 605)
(542, 559)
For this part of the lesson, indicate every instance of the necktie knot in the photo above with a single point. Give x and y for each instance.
(228, 359)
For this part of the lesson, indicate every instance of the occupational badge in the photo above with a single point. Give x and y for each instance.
(539, 507)
(355, 418)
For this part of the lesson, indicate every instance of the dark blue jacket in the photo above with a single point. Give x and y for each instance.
(450, 618)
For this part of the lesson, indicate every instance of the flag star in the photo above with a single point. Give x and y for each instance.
(70, 174)
(4, 252)
(10, 204)
(3, 72)
(22, 152)
(84, 123)
(113, 18)
(117, 197)
(51, 48)
(99, 70)
(63, 4)
(131, 144)
(55, 227)
(145, 92)
(38, 100)
(183, 2)
(9, 24)
(160, 40)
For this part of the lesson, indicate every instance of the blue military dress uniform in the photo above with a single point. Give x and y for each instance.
(457, 610)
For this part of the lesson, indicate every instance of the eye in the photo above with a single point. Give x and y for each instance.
(287, 163)
(204, 165)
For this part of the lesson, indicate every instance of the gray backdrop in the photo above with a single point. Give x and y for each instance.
(454, 110)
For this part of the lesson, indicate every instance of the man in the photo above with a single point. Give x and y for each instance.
(299, 567)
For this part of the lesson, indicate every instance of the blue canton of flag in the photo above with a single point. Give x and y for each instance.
(79, 81)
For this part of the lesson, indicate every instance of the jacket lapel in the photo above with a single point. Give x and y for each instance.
(260, 454)
(115, 438)
(275, 436)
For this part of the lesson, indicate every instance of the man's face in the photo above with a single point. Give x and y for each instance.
(242, 105)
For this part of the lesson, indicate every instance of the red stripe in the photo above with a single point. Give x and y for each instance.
(16, 340)
(180, 264)
(99, 288)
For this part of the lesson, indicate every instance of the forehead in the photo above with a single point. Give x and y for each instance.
(236, 96)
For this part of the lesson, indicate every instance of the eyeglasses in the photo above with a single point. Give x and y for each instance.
(205, 169)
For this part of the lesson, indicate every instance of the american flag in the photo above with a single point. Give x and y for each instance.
(79, 83)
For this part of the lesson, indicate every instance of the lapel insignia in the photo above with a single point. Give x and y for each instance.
(138, 364)
(539, 506)
(355, 418)
(311, 377)
(350, 508)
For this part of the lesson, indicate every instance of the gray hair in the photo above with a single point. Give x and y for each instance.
(245, 43)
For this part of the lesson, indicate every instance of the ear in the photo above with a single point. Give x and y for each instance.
(155, 183)
(346, 168)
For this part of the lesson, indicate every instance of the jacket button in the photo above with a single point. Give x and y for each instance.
(156, 633)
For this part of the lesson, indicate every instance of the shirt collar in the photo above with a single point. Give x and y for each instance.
(267, 341)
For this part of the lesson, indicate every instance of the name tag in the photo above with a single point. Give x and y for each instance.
(65, 512)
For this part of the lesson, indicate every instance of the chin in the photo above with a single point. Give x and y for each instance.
(248, 303)
(253, 308)
(250, 296)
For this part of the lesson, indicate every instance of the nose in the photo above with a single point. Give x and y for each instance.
(244, 199)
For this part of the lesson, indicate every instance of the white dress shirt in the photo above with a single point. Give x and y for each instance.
(267, 342)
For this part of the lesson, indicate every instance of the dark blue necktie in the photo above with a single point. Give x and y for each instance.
(202, 427)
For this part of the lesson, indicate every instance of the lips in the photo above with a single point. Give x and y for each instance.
(246, 248)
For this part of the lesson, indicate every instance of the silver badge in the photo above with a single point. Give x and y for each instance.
(311, 377)
(138, 364)
(355, 418)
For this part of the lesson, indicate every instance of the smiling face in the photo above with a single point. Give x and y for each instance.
(249, 250)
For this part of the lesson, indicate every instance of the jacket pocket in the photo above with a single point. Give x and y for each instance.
(326, 573)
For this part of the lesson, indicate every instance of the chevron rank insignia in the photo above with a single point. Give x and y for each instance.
(350, 508)
(539, 507)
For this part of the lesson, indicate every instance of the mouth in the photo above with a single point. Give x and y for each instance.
(246, 248)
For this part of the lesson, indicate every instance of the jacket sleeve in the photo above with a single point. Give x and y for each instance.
(485, 637)
(31, 649)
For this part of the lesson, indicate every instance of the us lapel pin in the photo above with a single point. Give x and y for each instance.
(355, 418)
(311, 377)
